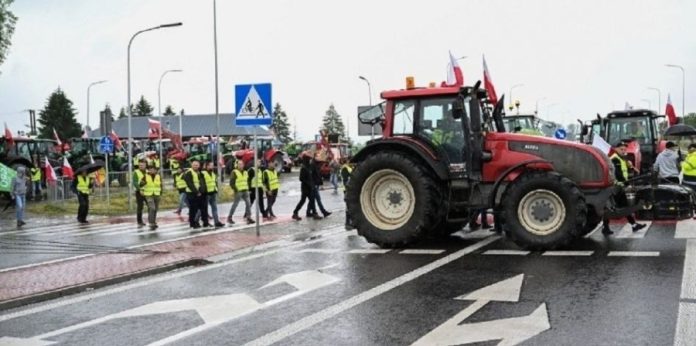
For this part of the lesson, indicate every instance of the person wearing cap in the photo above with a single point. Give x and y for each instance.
(666, 164)
(621, 167)
(688, 167)
(151, 187)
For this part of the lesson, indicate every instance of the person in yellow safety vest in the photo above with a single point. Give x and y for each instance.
(174, 164)
(621, 167)
(688, 167)
(82, 187)
(151, 187)
(138, 176)
(346, 172)
(441, 136)
(196, 190)
(271, 184)
(36, 180)
(156, 162)
(256, 184)
(211, 191)
(180, 186)
(239, 182)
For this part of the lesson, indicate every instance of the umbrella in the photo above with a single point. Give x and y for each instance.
(680, 130)
(90, 168)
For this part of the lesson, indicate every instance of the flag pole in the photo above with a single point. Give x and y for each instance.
(256, 171)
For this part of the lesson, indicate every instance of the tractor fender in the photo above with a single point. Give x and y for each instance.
(411, 147)
(508, 172)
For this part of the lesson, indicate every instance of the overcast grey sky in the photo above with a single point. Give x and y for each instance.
(583, 57)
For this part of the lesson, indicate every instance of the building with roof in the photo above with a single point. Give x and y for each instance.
(196, 125)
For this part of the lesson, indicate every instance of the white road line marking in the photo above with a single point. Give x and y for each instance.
(369, 251)
(480, 234)
(685, 333)
(568, 253)
(634, 254)
(318, 250)
(329, 234)
(507, 252)
(685, 229)
(421, 251)
(627, 231)
(318, 317)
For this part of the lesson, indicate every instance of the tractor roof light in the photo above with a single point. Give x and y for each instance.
(410, 82)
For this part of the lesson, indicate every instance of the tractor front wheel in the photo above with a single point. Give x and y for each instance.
(392, 200)
(543, 210)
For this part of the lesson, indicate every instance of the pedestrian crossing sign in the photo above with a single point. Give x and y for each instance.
(253, 104)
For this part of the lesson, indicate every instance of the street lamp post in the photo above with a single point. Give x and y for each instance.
(159, 87)
(659, 98)
(512, 101)
(130, 113)
(683, 86)
(369, 88)
(217, 102)
(95, 83)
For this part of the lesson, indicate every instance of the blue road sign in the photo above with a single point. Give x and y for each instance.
(106, 145)
(560, 134)
(253, 104)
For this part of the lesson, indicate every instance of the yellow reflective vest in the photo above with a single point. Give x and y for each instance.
(179, 182)
(35, 174)
(257, 181)
(153, 186)
(689, 167)
(83, 184)
(272, 177)
(624, 165)
(241, 182)
(138, 176)
(210, 181)
(194, 178)
(174, 165)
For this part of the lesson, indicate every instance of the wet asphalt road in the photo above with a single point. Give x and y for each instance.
(337, 289)
(49, 239)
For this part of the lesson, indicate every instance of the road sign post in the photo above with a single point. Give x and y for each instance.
(253, 104)
(106, 146)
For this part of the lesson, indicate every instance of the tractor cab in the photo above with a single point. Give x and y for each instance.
(524, 124)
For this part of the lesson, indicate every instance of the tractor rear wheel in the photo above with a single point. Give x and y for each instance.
(392, 200)
(543, 210)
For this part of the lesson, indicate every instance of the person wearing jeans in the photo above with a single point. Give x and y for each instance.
(335, 171)
(212, 190)
(180, 186)
(19, 193)
(318, 181)
(239, 182)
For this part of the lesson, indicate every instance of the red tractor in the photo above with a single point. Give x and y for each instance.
(439, 160)
(266, 152)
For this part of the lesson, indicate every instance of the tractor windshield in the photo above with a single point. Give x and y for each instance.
(637, 128)
(517, 124)
(437, 125)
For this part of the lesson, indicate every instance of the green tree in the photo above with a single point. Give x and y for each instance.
(332, 122)
(107, 110)
(59, 114)
(143, 108)
(168, 111)
(7, 26)
(122, 113)
(690, 119)
(280, 125)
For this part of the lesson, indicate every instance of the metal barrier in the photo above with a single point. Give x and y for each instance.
(61, 190)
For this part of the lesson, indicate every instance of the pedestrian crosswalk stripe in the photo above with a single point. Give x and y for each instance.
(369, 251)
(421, 252)
(480, 234)
(634, 254)
(627, 231)
(685, 229)
(507, 252)
(319, 250)
(567, 253)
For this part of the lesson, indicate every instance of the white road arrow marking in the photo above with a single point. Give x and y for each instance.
(511, 331)
(213, 310)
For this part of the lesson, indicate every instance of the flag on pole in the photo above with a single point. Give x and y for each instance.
(669, 111)
(7, 174)
(67, 169)
(599, 143)
(455, 77)
(116, 139)
(488, 83)
(154, 125)
(55, 135)
(49, 173)
(8, 136)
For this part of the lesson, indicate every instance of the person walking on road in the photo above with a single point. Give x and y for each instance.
(335, 173)
(307, 189)
(621, 168)
(180, 186)
(36, 180)
(239, 182)
(666, 164)
(212, 191)
(317, 182)
(138, 176)
(195, 195)
(256, 183)
(151, 186)
(18, 192)
(82, 187)
(346, 172)
(688, 167)
(271, 184)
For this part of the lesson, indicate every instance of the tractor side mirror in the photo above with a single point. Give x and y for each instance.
(458, 110)
(585, 130)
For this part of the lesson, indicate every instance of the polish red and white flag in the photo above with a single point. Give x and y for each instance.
(55, 136)
(670, 112)
(455, 77)
(488, 83)
(49, 173)
(67, 169)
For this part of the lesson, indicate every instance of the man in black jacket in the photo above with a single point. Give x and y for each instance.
(307, 185)
(318, 181)
(195, 195)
